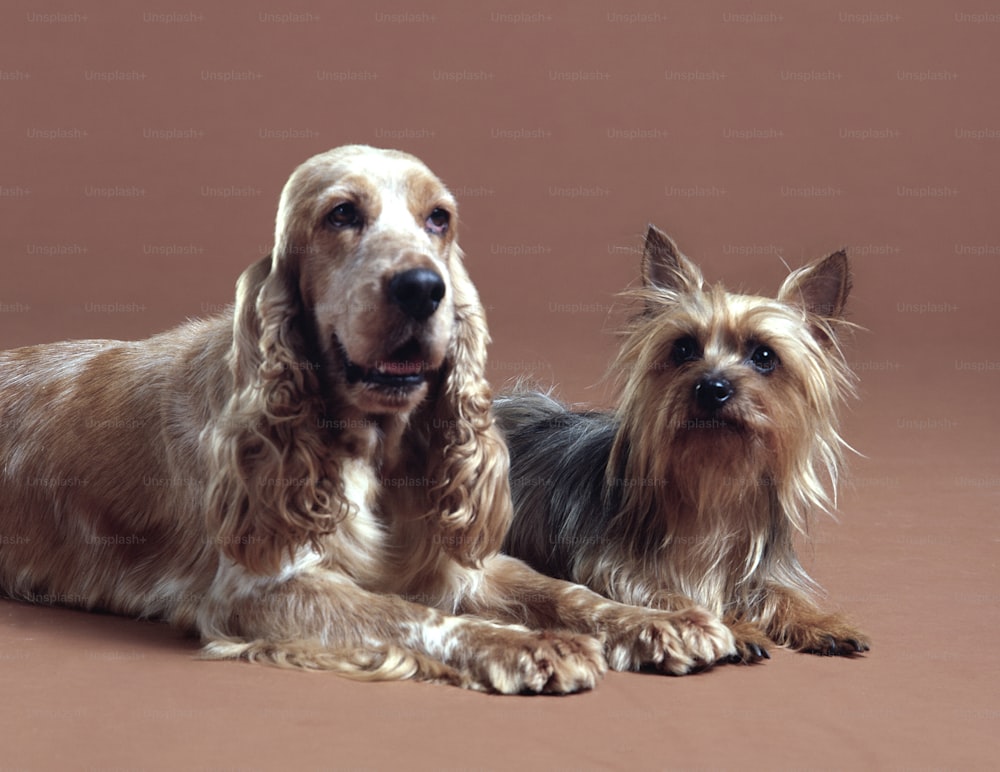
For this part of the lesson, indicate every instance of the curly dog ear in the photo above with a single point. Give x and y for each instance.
(270, 491)
(467, 457)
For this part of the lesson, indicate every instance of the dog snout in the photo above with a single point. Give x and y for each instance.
(418, 292)
(712, 392)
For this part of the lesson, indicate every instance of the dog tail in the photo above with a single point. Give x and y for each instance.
(389, 663)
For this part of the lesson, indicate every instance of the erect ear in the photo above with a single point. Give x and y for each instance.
(821, 288)
(664, 267)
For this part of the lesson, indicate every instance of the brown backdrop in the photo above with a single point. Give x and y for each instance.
(143, 152)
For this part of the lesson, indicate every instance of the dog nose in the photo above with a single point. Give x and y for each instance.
(711, 393)
(418, 292)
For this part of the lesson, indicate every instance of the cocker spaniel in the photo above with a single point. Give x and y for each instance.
(312, 478)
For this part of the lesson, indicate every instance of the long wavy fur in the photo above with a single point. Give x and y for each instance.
(274, 485)
(471, 496)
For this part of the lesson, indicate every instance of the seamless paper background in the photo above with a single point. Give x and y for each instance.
(143, 149)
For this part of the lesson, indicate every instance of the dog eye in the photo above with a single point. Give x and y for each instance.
(764, 359)
(438, 220)
(685, 350)
(345, 215)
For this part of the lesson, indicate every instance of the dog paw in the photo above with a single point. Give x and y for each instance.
(828, 645)
(751, 643)
(831, 638)
(540, 663)
(678, 642)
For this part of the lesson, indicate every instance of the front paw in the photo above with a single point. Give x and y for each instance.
(752, 643)
(831, 637)
(677, 642)
(538, 663)
(829, 645)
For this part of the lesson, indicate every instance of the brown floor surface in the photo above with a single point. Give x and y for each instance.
(820, 127)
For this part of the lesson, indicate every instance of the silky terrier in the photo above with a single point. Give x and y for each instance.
(724, 440)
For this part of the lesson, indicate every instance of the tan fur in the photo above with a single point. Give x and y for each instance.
(267, 480)
(701, 505)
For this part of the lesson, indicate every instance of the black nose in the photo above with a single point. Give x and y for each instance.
(712, 392)
(417, 291)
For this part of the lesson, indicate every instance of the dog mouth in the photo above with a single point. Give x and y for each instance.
(406, 368)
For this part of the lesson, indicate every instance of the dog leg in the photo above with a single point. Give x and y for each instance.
(792, 620)
(325, 622)
(675, 642)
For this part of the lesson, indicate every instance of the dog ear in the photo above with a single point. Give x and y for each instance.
(269, 490)
(467, 458)
(664, 267)
(821, 288)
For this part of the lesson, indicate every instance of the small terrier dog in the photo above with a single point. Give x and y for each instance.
(725, 438)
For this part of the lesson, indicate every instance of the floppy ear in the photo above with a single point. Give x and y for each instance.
(470, 494)
(664, 267)
(270, 488)
(821, 288)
